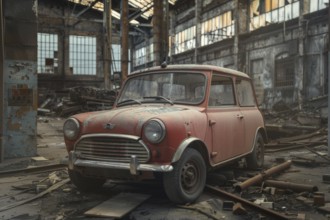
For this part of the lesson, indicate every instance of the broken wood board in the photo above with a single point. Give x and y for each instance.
(118, 206)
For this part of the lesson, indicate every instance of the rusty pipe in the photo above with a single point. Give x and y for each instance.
(262, 176)
(292, 186)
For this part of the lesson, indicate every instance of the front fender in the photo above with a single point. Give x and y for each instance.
(187, 142)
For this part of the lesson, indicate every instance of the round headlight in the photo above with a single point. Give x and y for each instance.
(154, 131)
(71, 129)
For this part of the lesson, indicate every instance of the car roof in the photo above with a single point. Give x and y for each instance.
(192, 67)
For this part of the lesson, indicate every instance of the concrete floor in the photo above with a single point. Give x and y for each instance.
(68, 203)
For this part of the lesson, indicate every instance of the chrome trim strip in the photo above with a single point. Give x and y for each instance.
(122, 166)
(133, 166)
(182, 147)
(132, 137)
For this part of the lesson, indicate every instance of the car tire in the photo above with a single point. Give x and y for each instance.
(256, 159)
(85, 184)
(186, 182)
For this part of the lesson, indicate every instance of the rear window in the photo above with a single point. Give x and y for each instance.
(245, 93)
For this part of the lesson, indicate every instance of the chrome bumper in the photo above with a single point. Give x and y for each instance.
(133, 166)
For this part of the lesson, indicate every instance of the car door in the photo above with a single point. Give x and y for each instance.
(226, 123)
(248, 105)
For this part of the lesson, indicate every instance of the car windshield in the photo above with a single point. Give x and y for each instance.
(169, 87)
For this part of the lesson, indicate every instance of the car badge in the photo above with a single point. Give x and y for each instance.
(109, 126)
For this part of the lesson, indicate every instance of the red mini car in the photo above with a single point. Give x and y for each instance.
(178, 122)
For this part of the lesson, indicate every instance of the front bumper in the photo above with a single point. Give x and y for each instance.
(133, 166)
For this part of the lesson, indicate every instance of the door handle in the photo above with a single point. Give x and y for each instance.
(240, 116)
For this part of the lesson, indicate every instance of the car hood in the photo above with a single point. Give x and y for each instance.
(129, 120)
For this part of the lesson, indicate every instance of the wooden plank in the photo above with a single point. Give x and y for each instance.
(118, 206)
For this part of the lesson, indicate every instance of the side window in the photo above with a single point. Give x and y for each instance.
(245, 93)
(221, 92)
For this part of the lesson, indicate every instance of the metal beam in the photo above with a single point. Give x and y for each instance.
(139, 13)
(86, 9)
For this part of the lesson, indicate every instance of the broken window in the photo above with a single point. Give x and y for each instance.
(218, 28)
(82, 55)
(265, 12)
(185, 40)
(116, 58)
(140, 56)
(284, 72)
(47, 53)
(144, 55)
(316, 5)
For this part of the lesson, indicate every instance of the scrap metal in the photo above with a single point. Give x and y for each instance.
(262, 176)
(266, 211)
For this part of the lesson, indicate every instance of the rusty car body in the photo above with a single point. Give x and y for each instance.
(177, 122)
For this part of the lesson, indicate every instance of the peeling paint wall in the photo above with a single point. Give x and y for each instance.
(20, 79)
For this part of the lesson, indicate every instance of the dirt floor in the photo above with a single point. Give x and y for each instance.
(47, 194)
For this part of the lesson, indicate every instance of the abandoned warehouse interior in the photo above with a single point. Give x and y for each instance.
(63, 57)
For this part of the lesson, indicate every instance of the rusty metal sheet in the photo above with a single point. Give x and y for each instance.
(118, 206)
(20, 115)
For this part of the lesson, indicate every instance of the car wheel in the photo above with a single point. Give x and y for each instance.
(186, 182)
(85, 184)
(256, 159)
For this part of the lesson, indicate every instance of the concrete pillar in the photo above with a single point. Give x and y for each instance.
(236, 36)
(157, 31)
(301, 51)
(198, 14)
(1, 85)
(66, 45)
(107, 28)
(328, 82)
(19, 78)
(172, 20)
(124, 39)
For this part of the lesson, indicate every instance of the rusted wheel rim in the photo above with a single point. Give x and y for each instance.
(190, 176)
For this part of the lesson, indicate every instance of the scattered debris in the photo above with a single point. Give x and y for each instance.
(211, 208)
(50, 189)
(291, 186)
(77, 99)
(238, 209)
(118, 206)
(262, 176)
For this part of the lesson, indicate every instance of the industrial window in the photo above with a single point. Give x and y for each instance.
(284, 72)
(185, 40)
(82, 55)
(144, 55)
(47, 53)
(140, 56)
(316, 5)
(116, 58)
(218, 28)
(265, 12)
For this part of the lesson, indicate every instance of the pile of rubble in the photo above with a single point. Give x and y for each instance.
(286, 121)
(76, 100)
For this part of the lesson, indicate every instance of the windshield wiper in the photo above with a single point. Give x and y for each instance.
(159, 98)
(127, 101)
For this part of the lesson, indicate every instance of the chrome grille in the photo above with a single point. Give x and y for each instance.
(111, 148)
